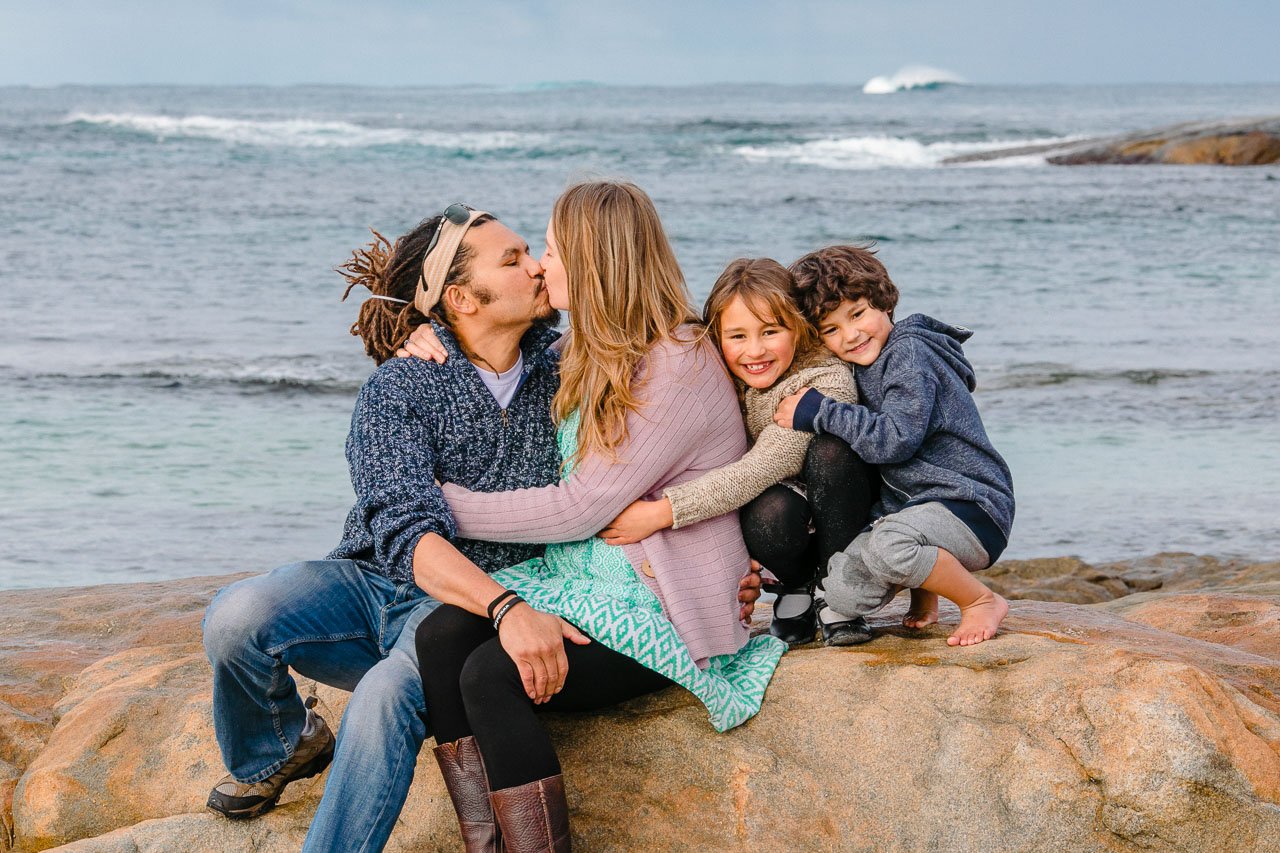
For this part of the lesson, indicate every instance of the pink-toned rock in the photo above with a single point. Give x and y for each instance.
(134, 745)
(1079, 728)
(1070, 579)
(1066, 579)
(22, 735)
(1248, 622)
(1246, 148)
(47, 637)
(1239, 142)
(127, 736)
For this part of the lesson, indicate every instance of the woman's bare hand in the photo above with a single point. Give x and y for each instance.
(424, 344)
(639, 520)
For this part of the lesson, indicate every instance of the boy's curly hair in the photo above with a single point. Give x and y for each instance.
(829, 276)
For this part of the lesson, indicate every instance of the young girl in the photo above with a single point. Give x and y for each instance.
(802, 498)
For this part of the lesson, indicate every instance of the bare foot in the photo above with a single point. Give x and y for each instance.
(979, 620)
(923, 611)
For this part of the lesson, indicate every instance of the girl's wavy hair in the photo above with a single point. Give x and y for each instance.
(626, 294)
(387, 270)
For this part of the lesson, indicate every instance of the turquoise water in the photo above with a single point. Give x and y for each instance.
(176, 377)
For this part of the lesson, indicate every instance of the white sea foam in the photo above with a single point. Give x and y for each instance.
(303, 373)
(303, 133)
(879, 152)
(910, 77)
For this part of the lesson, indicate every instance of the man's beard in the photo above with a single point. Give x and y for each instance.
(549, 317)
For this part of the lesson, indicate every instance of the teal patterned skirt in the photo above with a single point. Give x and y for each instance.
(593, 585)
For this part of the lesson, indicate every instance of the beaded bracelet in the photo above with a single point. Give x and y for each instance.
(511, 602)
(498, 600)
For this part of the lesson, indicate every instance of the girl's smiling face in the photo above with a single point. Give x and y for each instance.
(757, 351)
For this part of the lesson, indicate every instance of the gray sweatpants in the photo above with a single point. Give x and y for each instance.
(897, 553)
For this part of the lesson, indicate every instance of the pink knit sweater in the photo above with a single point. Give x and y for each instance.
(689, 423)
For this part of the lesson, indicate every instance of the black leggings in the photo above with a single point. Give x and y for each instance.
(472, 687)
(775, 525)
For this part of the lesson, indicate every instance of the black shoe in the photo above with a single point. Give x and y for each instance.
(799, 629)
(848, 632)
(239, 800)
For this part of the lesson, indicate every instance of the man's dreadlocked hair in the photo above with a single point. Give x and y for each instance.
(394, 271)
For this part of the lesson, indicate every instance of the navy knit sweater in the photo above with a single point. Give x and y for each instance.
(417, 423)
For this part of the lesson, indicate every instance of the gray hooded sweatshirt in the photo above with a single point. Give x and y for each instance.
(918, 422)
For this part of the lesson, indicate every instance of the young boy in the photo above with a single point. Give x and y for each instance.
(946, 506)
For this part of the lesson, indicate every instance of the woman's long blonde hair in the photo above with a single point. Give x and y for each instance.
(626, 294)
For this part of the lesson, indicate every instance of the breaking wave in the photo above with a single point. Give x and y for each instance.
(877, 152)
(1196, 399)
(911, 77)
(307, 374)
(303, 133)
(1044, 374)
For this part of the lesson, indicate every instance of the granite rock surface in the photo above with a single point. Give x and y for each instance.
(1238, 142)
(1126, 706)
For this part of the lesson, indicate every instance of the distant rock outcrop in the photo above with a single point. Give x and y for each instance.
(1149, 719)
(1246, 142)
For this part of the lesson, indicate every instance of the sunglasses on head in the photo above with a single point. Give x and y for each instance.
(457, 213)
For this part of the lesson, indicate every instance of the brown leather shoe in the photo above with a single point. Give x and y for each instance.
(534, 817)
(463, 770)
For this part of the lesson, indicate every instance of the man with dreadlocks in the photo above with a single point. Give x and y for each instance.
(482, 420)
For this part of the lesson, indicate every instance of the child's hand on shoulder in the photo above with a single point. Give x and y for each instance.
(785, 415)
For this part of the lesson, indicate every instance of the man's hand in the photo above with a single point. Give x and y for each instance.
(535, 642)
(424, 344)
(638, 521)
(749, 592)
(785, 415)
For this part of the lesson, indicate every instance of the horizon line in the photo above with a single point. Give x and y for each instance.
(568, 84)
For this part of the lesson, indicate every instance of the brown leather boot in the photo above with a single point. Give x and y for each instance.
(534, 817)
(464, 777)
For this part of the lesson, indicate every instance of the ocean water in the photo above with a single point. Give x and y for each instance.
(176, 376)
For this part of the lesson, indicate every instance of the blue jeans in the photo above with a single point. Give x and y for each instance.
(336, 622)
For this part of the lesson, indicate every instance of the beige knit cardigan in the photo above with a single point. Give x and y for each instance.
(776, 454)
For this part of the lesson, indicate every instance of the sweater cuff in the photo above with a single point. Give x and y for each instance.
(807, 410)
(675, 497)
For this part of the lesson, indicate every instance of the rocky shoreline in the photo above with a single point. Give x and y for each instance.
(1240, 142)
(1125, 706)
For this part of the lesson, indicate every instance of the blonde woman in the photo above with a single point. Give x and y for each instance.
(644, 403)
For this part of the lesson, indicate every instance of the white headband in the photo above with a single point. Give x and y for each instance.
(438, 259)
